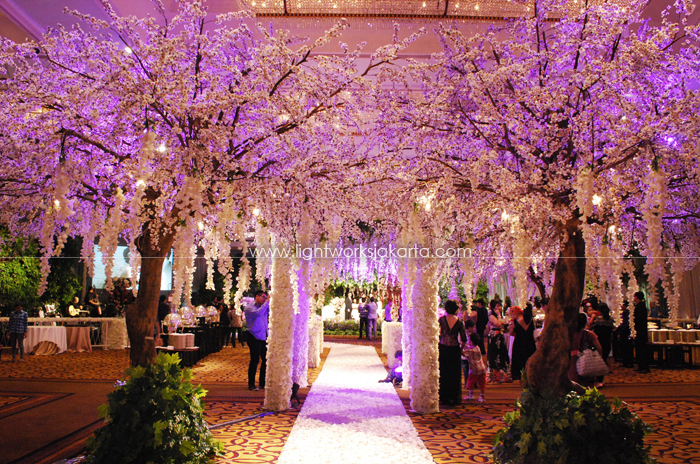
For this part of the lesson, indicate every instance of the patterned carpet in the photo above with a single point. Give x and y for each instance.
(98, 365)
(464, 433)
(460, 434)
(254, 441)
(6, 400)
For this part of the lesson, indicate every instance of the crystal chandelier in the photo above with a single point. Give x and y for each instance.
(455, 9)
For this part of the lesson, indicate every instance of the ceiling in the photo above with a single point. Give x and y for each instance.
(27, 19)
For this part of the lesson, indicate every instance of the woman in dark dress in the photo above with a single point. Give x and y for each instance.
(603, 327)
(523, 342)
(453, 337)
(498, 362)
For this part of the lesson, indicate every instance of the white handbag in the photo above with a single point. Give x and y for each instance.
(590, 363)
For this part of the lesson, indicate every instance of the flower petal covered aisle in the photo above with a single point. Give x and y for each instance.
(349, 417)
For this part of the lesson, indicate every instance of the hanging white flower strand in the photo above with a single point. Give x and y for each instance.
(653, 209)
(243, 278)
(110, 238)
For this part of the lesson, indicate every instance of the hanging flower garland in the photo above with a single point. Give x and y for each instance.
(110, 238)
(300, 281)
(243, 278)
(632, 287)
(653, 209)
(674, 295)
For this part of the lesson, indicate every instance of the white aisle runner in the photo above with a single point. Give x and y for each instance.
(350, 418)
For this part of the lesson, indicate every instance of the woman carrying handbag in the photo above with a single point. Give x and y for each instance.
(583, 340)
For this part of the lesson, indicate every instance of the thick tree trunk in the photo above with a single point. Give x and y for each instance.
(548, 368)
(141, 314)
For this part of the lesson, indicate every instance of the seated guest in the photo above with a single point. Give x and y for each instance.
(395, 375)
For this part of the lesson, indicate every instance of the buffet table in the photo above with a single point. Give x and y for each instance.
(43, 340)
(675, 347)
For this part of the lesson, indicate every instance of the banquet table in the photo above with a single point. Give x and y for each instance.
(675, 347)
(674, 336)
(78, 339)
(42, 340)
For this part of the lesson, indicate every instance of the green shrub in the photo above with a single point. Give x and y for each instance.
(350, 327)
(579, 429)
(154, 417)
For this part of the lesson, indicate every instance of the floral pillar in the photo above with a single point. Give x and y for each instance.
(301, 329)
(425, 373)
(280, 341)
(407, 321)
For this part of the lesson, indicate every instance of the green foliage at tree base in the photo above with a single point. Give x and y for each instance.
(549, 429)
(155, 417)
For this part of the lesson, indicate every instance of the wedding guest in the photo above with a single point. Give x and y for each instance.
(236, 326)
(163, 308)
(453, 338)
(256, 315)
(372, 319)
(395, 375)
(641, 339)
(498, 362)
(622, 339)
(603, 327)
(523, 331)
(482, 320)
(348, 307)
(363, 310)
(477, 370)
(583, 340)
(387, 310)
(17, 328)
(469, 317)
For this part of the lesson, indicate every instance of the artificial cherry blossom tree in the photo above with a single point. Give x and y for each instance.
(569, 142)
(173, 132)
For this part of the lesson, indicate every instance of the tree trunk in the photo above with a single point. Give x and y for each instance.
(141, 314)
(548, 368)
(537, 280)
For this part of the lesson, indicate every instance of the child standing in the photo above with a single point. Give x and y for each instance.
(477, 370)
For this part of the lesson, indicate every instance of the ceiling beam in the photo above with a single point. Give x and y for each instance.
(18, 16)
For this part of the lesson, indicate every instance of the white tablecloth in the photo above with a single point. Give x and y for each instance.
(36, 335)
(674, 336)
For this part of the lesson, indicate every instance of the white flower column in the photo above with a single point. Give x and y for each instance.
(300, 356)
(280, 341)
(425, 331)
(315, 341)
(407, 319)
